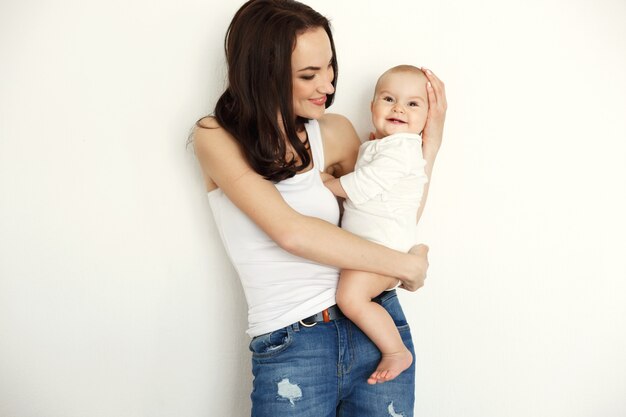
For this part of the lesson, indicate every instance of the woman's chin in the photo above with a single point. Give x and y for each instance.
(311, 111)
(312, 115)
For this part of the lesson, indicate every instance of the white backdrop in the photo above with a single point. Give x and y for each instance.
(116, 298)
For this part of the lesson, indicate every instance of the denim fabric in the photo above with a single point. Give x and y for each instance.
(322, 371)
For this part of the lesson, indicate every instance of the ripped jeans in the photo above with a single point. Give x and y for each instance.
(322, 371)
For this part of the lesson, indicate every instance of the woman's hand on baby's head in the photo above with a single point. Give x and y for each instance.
(437, 107)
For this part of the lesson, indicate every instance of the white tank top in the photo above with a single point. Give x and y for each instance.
(280, 288)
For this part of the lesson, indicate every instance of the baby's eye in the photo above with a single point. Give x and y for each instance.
(388, 99)
(413, 104)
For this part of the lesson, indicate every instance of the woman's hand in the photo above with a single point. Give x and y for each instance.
(433, 131)
(416, 281)
(437, 106)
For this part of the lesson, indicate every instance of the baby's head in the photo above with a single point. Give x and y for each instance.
(400, 101)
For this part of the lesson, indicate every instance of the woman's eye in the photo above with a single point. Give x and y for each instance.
(307, 77)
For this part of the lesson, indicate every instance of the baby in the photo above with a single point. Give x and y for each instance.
(383, 197)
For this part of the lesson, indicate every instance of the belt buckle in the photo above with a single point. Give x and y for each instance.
(307, 325)
(325, 318)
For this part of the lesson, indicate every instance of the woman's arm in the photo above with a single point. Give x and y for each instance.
(224, 165)
(433, 131)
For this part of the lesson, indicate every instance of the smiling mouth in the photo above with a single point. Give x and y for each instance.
(318, 101)
(396, 121)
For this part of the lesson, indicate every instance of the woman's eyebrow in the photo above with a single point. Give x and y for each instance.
(310, 68)
(313, 68)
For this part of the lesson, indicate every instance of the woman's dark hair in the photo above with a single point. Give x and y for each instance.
(259, 43)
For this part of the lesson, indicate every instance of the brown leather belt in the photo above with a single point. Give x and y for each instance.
(326, 315)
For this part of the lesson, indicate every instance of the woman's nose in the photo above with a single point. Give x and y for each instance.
(327, 87)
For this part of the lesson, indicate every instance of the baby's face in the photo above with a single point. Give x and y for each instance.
(400, 104)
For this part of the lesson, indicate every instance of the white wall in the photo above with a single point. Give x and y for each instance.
(116, 298)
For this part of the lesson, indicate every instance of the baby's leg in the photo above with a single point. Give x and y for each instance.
(354, 297)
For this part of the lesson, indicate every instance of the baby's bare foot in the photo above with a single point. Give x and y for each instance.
(391, 365)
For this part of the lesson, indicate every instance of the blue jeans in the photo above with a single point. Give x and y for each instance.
(322, 371)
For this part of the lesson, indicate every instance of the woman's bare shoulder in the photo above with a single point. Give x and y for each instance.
(208, 122)
(209, 136)
(213, 145)
(338, 128)
(207, 127)
(341, 143)
(334, 122)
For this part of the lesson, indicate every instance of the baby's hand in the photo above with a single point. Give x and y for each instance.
(326, 176)
(333, 184)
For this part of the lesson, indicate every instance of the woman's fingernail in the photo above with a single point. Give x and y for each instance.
(429, 85)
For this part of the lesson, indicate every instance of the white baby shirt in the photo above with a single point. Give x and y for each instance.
(385, 190)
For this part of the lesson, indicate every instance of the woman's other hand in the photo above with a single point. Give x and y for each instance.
(416, 281)
(437, 106)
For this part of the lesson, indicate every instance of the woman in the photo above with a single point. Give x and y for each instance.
(262, 153)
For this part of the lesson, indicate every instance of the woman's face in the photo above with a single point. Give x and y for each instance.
(312, 73)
